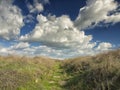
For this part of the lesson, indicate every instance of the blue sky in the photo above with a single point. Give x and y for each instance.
(59, 28)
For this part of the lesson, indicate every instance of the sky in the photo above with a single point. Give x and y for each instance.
(59, 28)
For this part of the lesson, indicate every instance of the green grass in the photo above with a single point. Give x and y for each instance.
(100, 72)
(18, 73)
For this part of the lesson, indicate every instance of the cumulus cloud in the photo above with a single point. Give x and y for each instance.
(97, 11)
(104, 46)
(57, 32)
(16, 49)
(60, 37)
(36, 6)
(11, 20)
(43, 50)
(3, 51)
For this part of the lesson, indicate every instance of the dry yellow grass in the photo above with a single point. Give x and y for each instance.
(100, 72)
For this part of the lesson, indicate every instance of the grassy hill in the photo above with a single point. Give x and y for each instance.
(100, 72)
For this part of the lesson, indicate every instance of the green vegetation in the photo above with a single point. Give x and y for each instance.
(100, 72)
(22, 73)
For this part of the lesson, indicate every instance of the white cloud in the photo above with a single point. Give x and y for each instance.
(20, 45)
(58, 32)
(16, 49)
(29, 19)
(11, 20)
(3, 50)
(104, 46)
(43, 50)
(36, 7)
(60, 37)
(97, 11)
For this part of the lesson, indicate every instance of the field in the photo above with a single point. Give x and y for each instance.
(100, 72)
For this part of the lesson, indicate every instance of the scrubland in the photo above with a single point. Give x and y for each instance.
(100, 72)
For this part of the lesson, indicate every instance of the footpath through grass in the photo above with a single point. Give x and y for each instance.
(100, 72)
(56, 78)
(21, 73)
